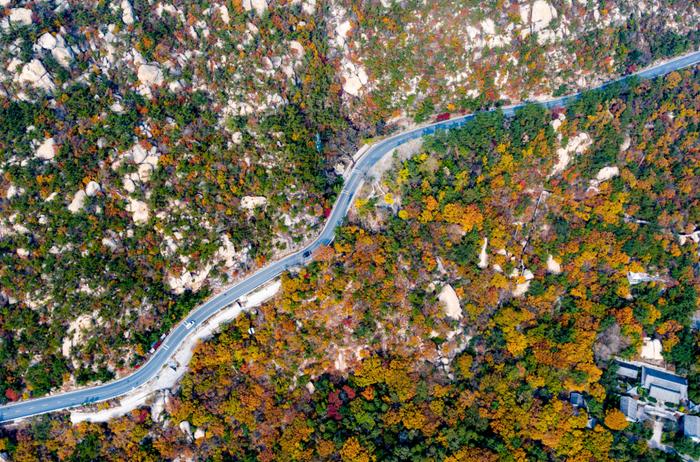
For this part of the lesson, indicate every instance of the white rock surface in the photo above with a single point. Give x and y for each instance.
(46, 150)
(258, 5)
(251, 202)
(129, 182)
(78, 201)
(137, 153)
(483, 256)
(309, 6)
(35, 74)
(626, 142)
(542, 14)
(607, 173)
(186, 428)
(340, 364)
(553, 266)
(651, 349)
(63, 55)
(522, 287)
(92, 188)
(227, 252)
(355, 78)
(158, 406)
(694, 236)
(13, 191)
(110, 243)
(21, 16)
(488, 26)
(57, 45)
(47, 41)
(341, 33)
(127, 12)
(188, 280)
(139, 210)
(296, 48)
(150, 74)
(76, 333)
(448, 297)
(578, 144)
(223, 12)
(638, 278)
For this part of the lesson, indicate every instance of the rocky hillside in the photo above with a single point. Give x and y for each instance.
(152, 151)
(449, 55)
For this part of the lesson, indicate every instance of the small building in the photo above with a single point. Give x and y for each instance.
(627, 370)
(577, 400)
(631, 408)
(691, 427)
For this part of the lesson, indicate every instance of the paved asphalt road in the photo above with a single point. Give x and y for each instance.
(203, 312)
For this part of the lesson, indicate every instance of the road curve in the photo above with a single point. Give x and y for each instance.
(200, 314)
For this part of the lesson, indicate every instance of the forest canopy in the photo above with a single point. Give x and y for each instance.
(535, 222)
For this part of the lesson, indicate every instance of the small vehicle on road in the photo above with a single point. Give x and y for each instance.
(156, 344)
(442, 117)
(189, 324)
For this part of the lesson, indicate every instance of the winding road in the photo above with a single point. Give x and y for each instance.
(200, 314)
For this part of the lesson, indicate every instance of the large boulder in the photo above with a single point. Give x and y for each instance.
(150, 74)
(78, 202)
(539, 16)
(58, 48)
(46, 150)
(127, 12)
(251, 202)
(47, 41)
(92, 188)
(139, 211)
(448, 297)
(35, 74)
(258, 5)
(21, 16)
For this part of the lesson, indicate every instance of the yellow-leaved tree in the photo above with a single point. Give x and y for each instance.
(615, 420)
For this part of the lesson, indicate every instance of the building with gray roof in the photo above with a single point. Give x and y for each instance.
(691, 427)
(664, 386)
(630, 407)
(627, 370)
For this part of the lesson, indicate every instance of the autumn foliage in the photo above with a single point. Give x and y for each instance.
(357, 359)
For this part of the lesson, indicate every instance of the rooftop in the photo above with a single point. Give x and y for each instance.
(691, 426)
(658, 374)
(627, 370)
(664, 395)
(664, 384)
(629, 407)
(577, 400)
